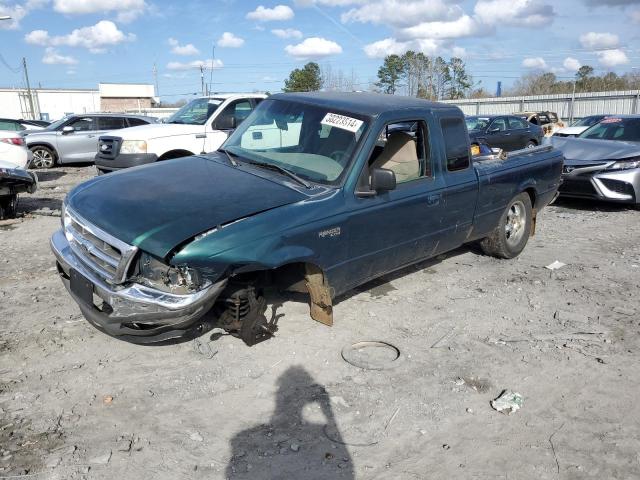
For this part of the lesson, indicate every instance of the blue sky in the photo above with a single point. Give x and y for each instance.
(78, 43)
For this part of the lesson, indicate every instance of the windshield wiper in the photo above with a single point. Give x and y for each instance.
(284, 171)
(231, 160)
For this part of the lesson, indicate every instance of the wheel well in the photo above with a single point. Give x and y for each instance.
(532, 195)
(534, 141)
(50, 147)
(175, 154)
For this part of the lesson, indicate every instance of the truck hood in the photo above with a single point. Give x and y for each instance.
(157, 130)
(162, 205)
(592, 150)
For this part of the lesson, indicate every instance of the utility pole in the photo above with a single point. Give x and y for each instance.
(155, 78)
(213, 61)
(202, 79)
(26, 77)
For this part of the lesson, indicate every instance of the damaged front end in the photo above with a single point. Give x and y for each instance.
(126, 293)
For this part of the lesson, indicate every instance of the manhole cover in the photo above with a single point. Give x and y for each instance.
(371, 355)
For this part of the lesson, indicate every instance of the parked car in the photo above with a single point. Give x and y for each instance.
(74, 139)
(503, 131)
(13, 149)
(21, 125)
(603, 162)
(579, 126)
(200, 126)
(313, 192)
(549, 121)
(13, 181)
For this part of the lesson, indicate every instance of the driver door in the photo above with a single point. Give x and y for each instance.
(225, 122)
(498, 134)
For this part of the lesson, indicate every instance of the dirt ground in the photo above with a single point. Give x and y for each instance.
(75, 403)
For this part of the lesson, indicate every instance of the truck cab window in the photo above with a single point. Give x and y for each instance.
(403, 148)
(454, 133)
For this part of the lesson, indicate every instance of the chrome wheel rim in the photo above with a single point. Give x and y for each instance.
(516, 221)
(42, 158)
(530, 145)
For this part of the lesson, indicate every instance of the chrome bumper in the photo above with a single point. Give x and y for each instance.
(616, 186)
(145, 314)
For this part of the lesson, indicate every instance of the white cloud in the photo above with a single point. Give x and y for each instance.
(52, 57)
(17, 11)
(571, 64)
(535, 63)
(287, 33)
(612, 58)
(599, 41)
(526, 13)
(196, 64)
(391, 46)
(95, 38)
(464, 26)
(314, 47)
(229, 40)
(186, 50)
(328, 3)
(127, 10)
(402, 13)
(277, 13)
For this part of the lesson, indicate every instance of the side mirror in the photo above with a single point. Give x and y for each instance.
(68, 129)
(383, 180)
(225, 122)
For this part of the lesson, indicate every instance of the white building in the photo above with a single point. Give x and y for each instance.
(54, 103)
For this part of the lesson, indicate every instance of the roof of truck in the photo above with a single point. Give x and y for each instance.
(364, 103)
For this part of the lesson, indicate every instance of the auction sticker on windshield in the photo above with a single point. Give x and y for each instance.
(340, 121)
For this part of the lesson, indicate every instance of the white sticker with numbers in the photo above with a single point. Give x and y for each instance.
(340, 121)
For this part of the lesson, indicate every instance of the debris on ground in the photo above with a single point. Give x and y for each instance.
(507, 402)
(555, 265)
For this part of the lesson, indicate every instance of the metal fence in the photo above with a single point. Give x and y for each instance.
(567, 106)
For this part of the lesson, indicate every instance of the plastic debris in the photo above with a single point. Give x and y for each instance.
(507, 402)
(555, 265)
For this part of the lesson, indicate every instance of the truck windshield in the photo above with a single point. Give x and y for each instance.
(312, 142)
(196, 112)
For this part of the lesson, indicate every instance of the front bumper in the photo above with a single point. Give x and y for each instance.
(622, 186)
(123, 160)
(133, 312)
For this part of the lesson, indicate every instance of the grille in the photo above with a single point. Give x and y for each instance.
(105, 255)
(623, 188)
(583, 187)
(108, 147)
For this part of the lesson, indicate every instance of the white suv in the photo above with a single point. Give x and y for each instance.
(201, 126)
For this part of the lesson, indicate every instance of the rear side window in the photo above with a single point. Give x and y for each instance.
(516, 123)
(7, 125)
(455, 143)
(136, 122)
(112, 123)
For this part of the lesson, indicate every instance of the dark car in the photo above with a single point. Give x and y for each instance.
(74, 139)
(317, 192)
(507, 132)
(603, 162)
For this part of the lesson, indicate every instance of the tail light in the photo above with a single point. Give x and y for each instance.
(13, 140)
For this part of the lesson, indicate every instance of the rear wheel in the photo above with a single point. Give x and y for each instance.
(512, 233)
(43, 157)
(531, 144)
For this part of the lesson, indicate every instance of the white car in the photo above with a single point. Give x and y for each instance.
(201, 126)
(13, 149)
(579, 126)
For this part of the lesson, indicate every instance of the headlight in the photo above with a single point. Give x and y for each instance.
(133, 146)
(178, 280)
(626, 164)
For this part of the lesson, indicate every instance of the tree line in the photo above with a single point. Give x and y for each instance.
(417, 75)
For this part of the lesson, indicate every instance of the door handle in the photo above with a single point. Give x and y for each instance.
(433, 199)
(201, 135)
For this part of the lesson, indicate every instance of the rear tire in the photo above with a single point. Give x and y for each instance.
(43, 157)
(531, 144)
(512, 233)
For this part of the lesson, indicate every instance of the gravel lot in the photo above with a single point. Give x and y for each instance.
(75, 403)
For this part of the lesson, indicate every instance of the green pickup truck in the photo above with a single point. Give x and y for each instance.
(314, 192)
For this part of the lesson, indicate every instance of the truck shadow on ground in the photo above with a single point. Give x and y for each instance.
(49, 175)
(29, 204)
(298, 441)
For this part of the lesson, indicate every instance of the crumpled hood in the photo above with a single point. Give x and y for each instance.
(159, 206)
(592, 150)
(157, 130)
